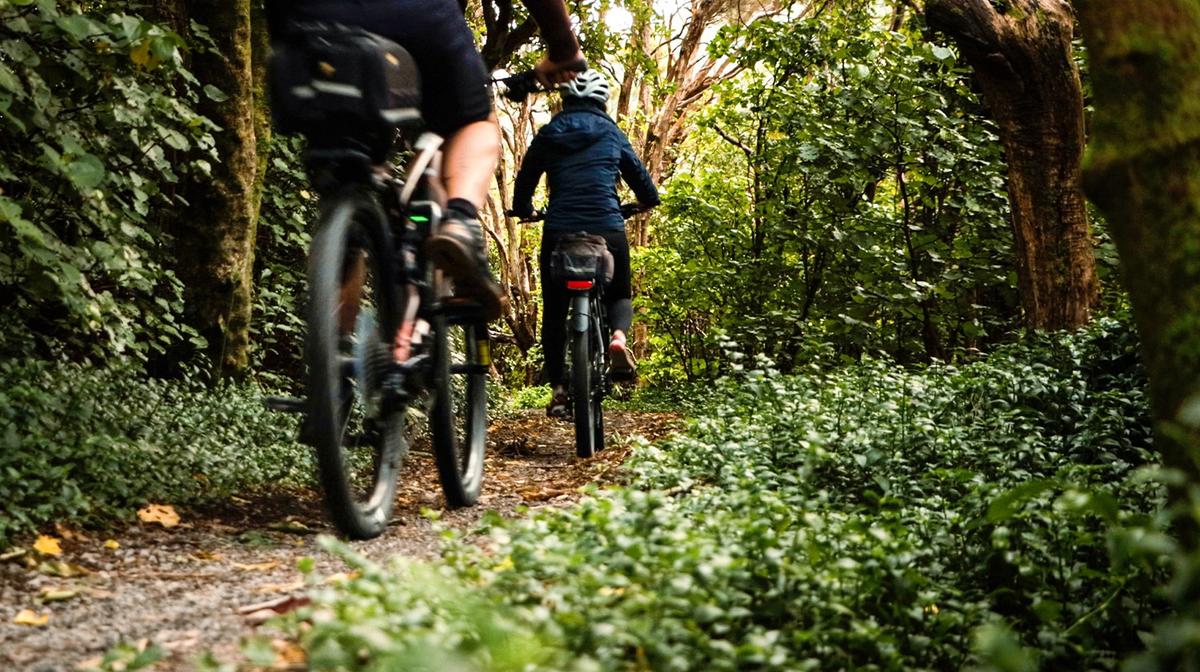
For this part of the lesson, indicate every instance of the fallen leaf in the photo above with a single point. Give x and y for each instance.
(342, 577)
(62, 569)
(279, 587)
(112, 544)
(47, 546)
(292, 527)
(207, 556)
(69, 534)
(57, 594)
(163, 514)
(258, 567)
(28, 617)
(288, 654)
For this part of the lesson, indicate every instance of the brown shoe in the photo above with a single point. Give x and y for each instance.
(623, 366)
(457, 249)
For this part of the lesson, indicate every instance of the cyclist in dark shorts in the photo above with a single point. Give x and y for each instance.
(456, 104)
(584, 155)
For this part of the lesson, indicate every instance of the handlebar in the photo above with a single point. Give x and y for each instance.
(518, 87)
(627, 210)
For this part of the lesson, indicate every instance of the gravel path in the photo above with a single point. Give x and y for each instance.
(182, 588)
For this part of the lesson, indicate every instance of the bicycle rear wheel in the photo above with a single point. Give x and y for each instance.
(458, 421)
(359, 439)
(582, 383)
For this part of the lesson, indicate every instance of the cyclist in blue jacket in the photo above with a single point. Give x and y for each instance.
(584, 155)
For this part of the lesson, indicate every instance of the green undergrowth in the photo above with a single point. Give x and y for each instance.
(999, 514)
(622, 398)
(84, 445)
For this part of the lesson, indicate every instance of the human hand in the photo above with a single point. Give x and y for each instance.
(552, 73)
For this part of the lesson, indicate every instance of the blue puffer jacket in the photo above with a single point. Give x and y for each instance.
(582, 153)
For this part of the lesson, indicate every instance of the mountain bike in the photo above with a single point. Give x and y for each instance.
(387, 341)
(580, 265)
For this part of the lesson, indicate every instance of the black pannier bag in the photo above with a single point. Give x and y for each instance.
(582, 256)
(343, 88)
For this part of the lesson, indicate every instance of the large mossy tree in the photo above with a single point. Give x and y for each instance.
(1144, 172)
(214, 236)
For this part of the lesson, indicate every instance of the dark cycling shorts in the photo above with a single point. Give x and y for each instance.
(454, 82)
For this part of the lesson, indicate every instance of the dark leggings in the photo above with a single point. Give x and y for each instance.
(555, 300)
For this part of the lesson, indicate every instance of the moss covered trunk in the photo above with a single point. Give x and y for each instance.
(1144, 172)
(214, 235)
(1020, 52)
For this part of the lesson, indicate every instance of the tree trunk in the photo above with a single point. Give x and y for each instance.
(1144, 173)
(1021, 54)
(214, 235)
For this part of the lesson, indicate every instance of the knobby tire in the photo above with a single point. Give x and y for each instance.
(352, 224)
(458, 422)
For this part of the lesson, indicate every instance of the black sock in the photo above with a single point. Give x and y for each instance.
(463, 208)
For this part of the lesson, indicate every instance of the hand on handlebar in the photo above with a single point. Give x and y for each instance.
(526, 215)
(549, 73)
(545, 76)
(630, 209)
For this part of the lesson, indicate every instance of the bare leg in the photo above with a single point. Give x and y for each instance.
(470, 160)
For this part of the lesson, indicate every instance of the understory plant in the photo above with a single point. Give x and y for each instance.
(1004, 514)
(83, 445)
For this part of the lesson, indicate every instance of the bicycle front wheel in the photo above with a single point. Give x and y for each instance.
(359, 439)
(458, 422)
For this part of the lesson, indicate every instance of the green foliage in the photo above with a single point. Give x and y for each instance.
(844, 189)
(531, 397)
(96, 112)
(428, 621)
(872, 517)
(86, 444)
(289, 210)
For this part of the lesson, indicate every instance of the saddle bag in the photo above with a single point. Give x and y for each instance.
(582, 256)
(343, 88)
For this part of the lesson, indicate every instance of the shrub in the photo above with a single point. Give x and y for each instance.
(869, 517)
(84, 444)
(97, 126)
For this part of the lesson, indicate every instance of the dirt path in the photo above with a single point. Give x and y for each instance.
(182, 588)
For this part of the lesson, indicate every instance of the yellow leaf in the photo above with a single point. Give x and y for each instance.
(340, 577)
(163, 514)
(47, 546)
(61, 569)
(28, 617)
(58, 594)
(288, 655)
(112, 544)
(140, 55)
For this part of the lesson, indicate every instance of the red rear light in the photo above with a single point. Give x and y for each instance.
(580, 284)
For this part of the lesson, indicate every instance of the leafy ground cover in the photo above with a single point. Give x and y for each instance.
(81, 444)
(1000, 513)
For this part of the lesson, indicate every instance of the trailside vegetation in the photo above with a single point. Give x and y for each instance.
(998, 513)
(870, 208)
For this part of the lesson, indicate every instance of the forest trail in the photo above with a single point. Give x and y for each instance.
(190, 588)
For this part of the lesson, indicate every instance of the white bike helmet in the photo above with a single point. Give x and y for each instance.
(589, 84)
